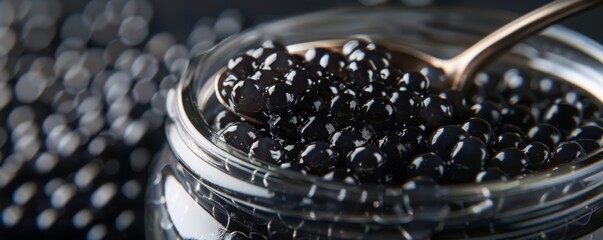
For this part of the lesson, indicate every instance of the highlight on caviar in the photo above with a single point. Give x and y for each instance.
(352, 114)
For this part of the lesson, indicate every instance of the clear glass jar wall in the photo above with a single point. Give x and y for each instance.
(203, 189)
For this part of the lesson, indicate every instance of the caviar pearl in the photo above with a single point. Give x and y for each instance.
(318, 158)
(239, 135)
(436, 111)
(443, 140)
(567, 152)
(379, 113)
(317, 128)
(406, 105)
(518, 115)
(241, 66)
(459, 104)
(562, 115)
(345, 141)
(478, 128)
(393, 148)
(280, 62)
(247, 97)
(545, 133)
(491, 174)
(280, 98)
(300, 80)
(488, 111)
(426, 165)
(343, 107)
(512, 161)
(588, 132)
(506, 140)
(467, 158)
(588, 145)
(310, 104)
(367, 162)
(285, 126)
(539, 154)
(268, 150)
(415, 82)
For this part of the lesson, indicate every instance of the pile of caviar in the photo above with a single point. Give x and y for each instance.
(353, 115)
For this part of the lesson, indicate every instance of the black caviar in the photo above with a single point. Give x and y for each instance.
(354, 115)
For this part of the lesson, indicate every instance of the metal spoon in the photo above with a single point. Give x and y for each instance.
(459, 69)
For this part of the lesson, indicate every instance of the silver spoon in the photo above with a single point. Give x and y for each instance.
(459, 69)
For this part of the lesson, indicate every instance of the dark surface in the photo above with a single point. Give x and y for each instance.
(61, 198)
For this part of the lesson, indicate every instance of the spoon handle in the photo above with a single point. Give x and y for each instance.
(464, 65)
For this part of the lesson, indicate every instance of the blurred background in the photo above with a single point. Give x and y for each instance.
(82, 93)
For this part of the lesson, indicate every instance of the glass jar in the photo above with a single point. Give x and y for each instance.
(203, 189)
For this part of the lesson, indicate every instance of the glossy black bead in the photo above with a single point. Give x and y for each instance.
(285, 126)
(562, 115)
(331, 61)
(241, 66)
(267, 78)
(436, 111)
(363, 129)
(488, 111)
(539, 154)
(351, 45)
(300, 80)
(567, 151)
(379, 113)
(280, 62)
(375, 90)
(341, 175)
(588, 145)
(343, 108)
(587, 132)
(414, 82)
(436, 77)
(310, 104)
(478, 128)
(406, 104)
(413, 138)
(547, 87)
(327, 88)
(545, 133)
(486, 82)
(390, 75)
(367, 162)
(280, 98)
(590, 109)
(345, 141)
(316, 71)
(247, 97)
(443, 139)
(318, 157)
(420, 183)
(359, 74)
(519, 115)
(460, 110)
(268, 150)
(506, 140)
(224, 118)
(426, 165)
(526, 99)
(512, 161)
(393, 149)
(510, 128)
(228, 82)
(239, 135)
(271, 44)
(317, 128)
(292, 150)
(491, 174)
(515, 81)
(490, 96)
(467, 158)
